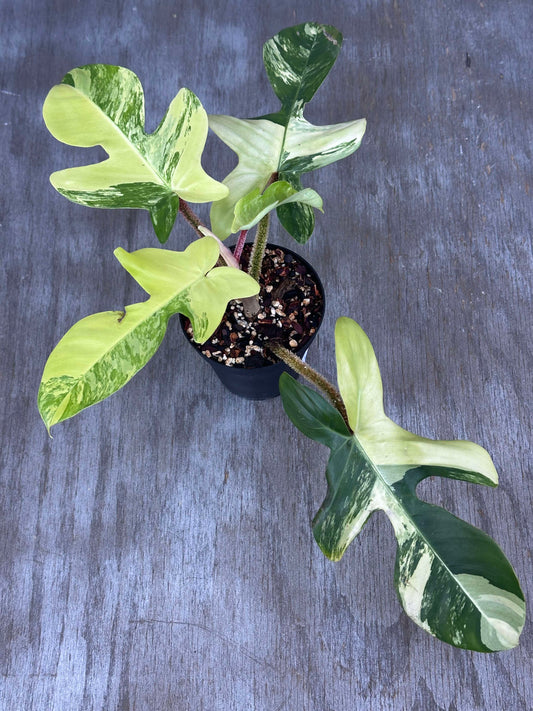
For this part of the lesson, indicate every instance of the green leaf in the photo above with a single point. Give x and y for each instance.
(100, 104)
(252, 207)
(102, 352)
(297, 61)
(451, 578)
(298, 219)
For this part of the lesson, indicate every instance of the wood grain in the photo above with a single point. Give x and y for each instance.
(157, 553)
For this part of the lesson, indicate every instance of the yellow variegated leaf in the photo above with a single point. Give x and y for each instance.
(100, 104)
(100, 353)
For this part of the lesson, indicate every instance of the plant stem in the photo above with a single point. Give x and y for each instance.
(240, 244)
(258, 250)
(260, 240)
(191, 217)
(313, 376)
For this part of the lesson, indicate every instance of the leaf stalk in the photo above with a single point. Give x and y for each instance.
(237, 251)
(311, 375)
(259, 246)
(191, 217)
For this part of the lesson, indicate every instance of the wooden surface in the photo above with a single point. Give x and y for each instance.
(157, 553)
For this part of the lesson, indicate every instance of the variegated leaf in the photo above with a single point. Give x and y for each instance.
(297, 60)
(102, 352)
(252, 207)
(100, 104)
(452, 579)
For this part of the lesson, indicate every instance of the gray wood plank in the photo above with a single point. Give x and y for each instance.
(157, 553)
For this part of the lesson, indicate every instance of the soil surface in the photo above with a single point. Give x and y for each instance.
(291, 309)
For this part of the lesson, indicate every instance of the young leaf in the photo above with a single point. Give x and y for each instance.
(296, 60)
(298, 219)
(100, 104)
(252, 207)
(100, 353)
(452, 579)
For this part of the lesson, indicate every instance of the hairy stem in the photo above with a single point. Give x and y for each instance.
(260, 240)
(258, 250)
(237, 251)
(191, 217)
(313, 376)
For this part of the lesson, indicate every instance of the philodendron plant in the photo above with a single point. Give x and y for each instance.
(104, 105)
(451, 578)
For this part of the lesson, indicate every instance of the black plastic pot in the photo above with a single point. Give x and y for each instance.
(260, 383)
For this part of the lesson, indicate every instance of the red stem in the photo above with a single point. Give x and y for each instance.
(272, 179)
(237, 251)
(191, 217)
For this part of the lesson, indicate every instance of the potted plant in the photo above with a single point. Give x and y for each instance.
(162, 172)
(451, 578)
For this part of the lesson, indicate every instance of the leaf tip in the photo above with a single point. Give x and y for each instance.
(121, 255)
(47, 423)
(332, 554)
(162, 235)
(284, 383)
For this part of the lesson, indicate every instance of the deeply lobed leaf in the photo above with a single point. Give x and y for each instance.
(102, 352)
(101, 104)
(296, 60)
(452, 579)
